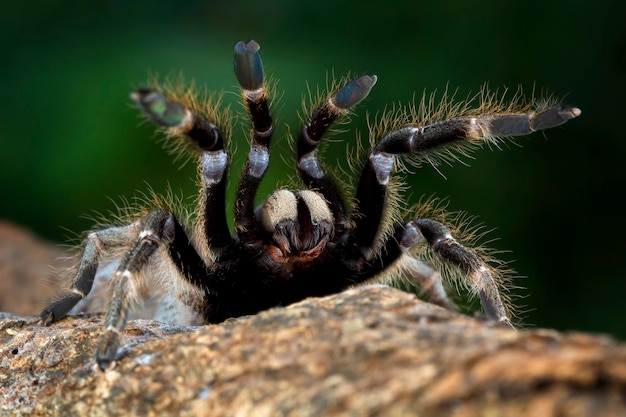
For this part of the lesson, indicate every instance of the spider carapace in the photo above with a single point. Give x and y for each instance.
(303, 243)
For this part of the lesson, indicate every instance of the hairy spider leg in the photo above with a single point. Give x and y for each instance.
(310, 136)
(213, 164)
(156, 229)
(445, 245)
(372, 189)
(93, 246)
(249, 73)
(422, 275)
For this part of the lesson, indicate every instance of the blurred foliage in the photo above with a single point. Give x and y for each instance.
(72, 142)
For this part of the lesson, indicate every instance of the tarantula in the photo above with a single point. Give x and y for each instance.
(296, 244)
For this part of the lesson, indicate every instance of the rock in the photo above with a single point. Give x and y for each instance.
(368, 351)
(371, 351)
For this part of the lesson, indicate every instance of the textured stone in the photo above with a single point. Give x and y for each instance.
(372, 351)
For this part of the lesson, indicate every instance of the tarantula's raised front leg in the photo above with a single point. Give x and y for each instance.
(310, 136)
(372, 188)
(213, 165)
(249, 72)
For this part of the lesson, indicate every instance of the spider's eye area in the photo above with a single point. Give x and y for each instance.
(355, 91)
(248, 68)
(298, 221)
(162, 112)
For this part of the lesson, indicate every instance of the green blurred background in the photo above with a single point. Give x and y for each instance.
(72, 141)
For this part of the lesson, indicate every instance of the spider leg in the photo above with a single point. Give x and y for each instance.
(93, 246)
(424, 278)
(441, 241)
(213, 164)
(249, 72)
(157, 229)
(310, 136)
(372, 188)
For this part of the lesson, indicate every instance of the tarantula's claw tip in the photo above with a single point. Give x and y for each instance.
(46, 317)
(157, 108)
(107, 349)
(104, 365)
(138, 96)
(355, 91)
(248, 68)
(242, 48)
(149, 101)
(554, 116)
(505, 322)
(571, 112)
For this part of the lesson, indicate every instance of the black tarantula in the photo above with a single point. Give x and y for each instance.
(296, 244)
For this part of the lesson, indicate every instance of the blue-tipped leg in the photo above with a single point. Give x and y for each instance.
(355, 91)
(157, 108)
(248, 68)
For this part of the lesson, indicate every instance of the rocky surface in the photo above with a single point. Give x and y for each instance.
(369, 351)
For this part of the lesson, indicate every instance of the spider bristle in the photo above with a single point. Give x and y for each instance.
(127, 210)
